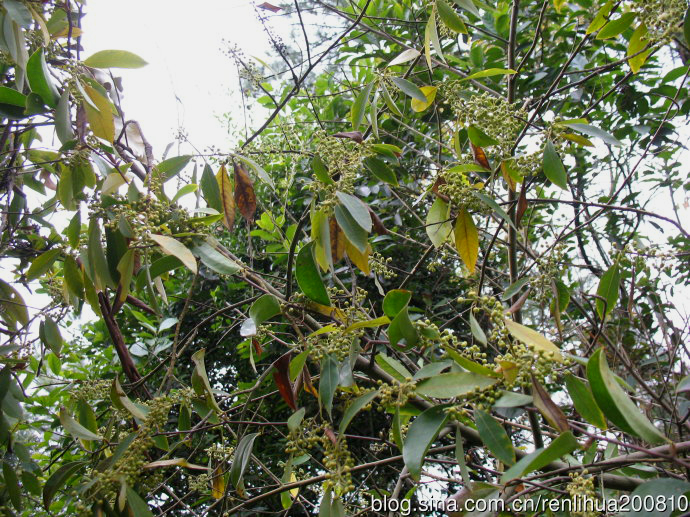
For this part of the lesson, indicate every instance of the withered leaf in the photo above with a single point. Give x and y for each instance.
(308, 384)
(269, 7)
(337, 240)
(357, 136)
(435, 189)
(227, 197)
(379, 228)
(245, 197)
(480, 156)
(548, 408)
(281, 375)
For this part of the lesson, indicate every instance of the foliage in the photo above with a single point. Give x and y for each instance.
(459, 231)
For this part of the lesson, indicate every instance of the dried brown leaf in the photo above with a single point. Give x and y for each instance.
(245, 197)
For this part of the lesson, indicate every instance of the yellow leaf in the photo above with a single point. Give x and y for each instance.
(578, 139)
(218, 484)
(293, 491)
(430, 94)
(100, 120)
(638, 41)
(533, 338)
(359, 259)
(227, 197)
(321, 235)
(467, 239)
(383, 320)
(558, 4)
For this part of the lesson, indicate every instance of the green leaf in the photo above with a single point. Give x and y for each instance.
(489, 72)
(121, 401)
(584, 402)
(477, 331)
(51, 335)
(420, 435)
(175, 248)
(75, 428)
(380, 169)
(608, 290)
(431, 370)
(431, 37)
(564, 444)
(479, 138)
(200, 381)
(114, 59)
(511, 399)
(395, 301)
(58, 479)
(42, 264)
(100, 117)
(357, 209)
(18, 12)
(638, 41)
(594, 131)
(392, 367)
(241, 458)
(377, 322)
(453, 384)
(355, 408)
(137, 505)
(12, 97)
(667, 496)
(63, 119)
(328, 382)
(321, 171)
(261, 310)
(297, 365)
(353, 231)
(686, 27)
(615, 27)
(469, 365)
(494, 206)
(468, 5)
(450, 18)
(401, 328)
(215, 260)
(295, 419)
(389, 100)
(494, 437)
(533, 338)
(438, 224)
(600, 18)
(308, 276)
(210, 189)
(615, 403)
(359, 106)
(553, 166)
(39, 79)
(73, 277)
(409, 88)
(12, 485)
(171, 167)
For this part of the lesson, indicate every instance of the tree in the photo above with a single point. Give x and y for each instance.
(450, 247)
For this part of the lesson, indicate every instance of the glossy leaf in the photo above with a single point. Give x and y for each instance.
(430, 94)
(395, 301)
(409, 88)
(381, 170)
(594, 131)
(615, 27)
(584, 402)
(308, 276)
(615, 403)
(420, 435)
(638, 41)
(328, 382)
(137, 505)
(553, 166)
(564, 444)
(401, 329)
(357, 209)
(42, 264)
(608, 290)
(40, 80)
(359, 106)
(354, 408)
(494, 437)
(241, 458)
(479, 138)
(490, 72)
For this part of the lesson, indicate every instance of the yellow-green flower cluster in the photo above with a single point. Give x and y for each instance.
(663, 18)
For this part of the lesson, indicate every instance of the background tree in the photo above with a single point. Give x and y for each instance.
(445, 259)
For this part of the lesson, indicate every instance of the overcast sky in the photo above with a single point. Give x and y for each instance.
(182, 42)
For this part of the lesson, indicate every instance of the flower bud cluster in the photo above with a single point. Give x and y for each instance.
(663, 18)
(380, 265)
(395, 395)
(581, 489)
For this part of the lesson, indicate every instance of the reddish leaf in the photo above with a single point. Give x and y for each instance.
(308, 384)
(480, 156)
(337, 240)
(440, 181)
(281, 375)
(521, 206)
(548, 408)
(519, 303)
(379, 228)
(270, 7)
(47, 180)
(245, 198)
(357, 136)
(331, 435)
(257, 346)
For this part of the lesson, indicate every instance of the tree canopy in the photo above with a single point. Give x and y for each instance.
(443, 259)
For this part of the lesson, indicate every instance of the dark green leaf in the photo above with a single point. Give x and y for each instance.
(12, 485)
(402, 329)
(328, 382)
(409, 88)
(42, 264)
(450, 18)
(241, 458)
(215, 260)
(584, 402)
(308, 276)
(453, 384)
(666, 496)
(608, 290)
(353, 231)
(359, 106)
(479, 138)
(355, 408)
(321, 171)
(210, 189)
(564, 444)
(380, 169)
(58, 479)
(137, 505)
(171, 167)
(420, 435)
(395, 301)
(357, 209)
(494, 437)
(39, 79)
(553, 166)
